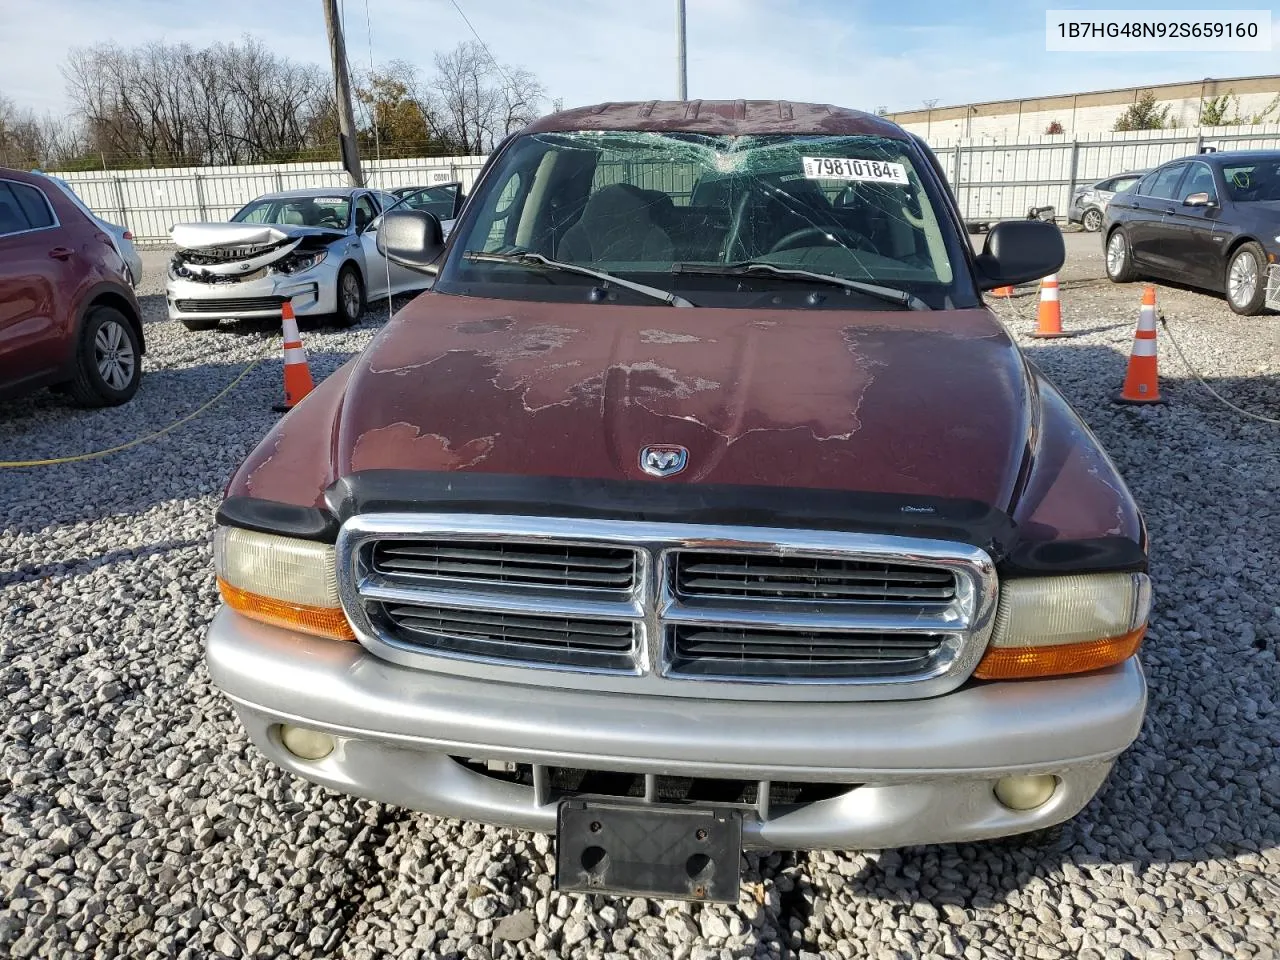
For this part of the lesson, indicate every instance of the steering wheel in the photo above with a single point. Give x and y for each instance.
(329, 219)
(826, 235)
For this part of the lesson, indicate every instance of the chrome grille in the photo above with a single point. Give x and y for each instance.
(558, 641)
(678, 610)
(799, 654)
(699, 574)
(535, 564)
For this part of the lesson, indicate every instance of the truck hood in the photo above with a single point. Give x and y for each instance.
(930, 403)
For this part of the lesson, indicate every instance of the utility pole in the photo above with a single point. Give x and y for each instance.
(682, 71)
(342, 90)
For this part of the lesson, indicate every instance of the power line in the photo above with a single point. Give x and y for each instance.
(480, 40)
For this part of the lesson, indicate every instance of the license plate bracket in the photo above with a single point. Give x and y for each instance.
(649, 850)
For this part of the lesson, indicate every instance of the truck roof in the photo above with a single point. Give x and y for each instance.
(731, 117)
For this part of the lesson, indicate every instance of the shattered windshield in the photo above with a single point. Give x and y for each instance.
(298, 211)
(656, 207)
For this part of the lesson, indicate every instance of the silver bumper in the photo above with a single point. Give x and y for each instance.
(919, 771)
(311, 293)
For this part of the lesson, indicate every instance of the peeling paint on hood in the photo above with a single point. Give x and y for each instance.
(907, 402)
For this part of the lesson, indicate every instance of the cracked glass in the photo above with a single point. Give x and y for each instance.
(653, 207)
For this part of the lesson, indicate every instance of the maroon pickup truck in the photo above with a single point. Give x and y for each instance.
(701, 504)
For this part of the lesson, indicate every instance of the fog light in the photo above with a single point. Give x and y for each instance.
(1026, 793)
(306, 744)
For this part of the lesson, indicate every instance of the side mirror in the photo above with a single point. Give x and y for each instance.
(411, 238)
(1019, 251)
(1197, 200)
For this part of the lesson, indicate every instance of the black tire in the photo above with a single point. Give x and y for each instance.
(1120, 263)
(349, 296)
(1092, 220)
(1247, 261)
(196, 324)
(108, 360)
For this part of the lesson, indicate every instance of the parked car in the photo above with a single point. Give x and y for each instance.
(701, 503)
(121, 237)
(1089, 203)
(68, 316)
(1211, 221)
(443, 201)
(314, 248)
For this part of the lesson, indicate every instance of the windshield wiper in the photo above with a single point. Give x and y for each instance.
(537, 260)
(887, 294)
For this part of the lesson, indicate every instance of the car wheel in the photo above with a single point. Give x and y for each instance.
(1247, 280)
(108, 360)
(1092, 220)
(350, 296)
(1119, 258)
(197, 324)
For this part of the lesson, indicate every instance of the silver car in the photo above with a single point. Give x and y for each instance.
(442, 200)
(121, 237)
(1090, 202)
(312, 248)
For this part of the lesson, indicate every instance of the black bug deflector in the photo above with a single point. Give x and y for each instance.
(654, 850)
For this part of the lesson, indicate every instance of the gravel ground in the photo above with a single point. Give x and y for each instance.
(136, 820)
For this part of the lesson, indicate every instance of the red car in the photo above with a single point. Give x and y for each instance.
(68, 316)
(701, 504)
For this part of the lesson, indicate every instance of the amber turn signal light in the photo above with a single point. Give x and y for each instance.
(1025, 663)
(320, 621)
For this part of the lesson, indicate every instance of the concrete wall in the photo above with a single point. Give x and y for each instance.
(1081, 114)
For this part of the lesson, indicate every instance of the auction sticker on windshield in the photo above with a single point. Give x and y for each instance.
(846, 168)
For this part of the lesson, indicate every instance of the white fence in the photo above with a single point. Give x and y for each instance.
(996, 180)
(149, 202)
(992, 179)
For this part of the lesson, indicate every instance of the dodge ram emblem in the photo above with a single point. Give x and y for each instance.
(663, 459)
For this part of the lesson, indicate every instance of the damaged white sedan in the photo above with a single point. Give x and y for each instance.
(313, 248)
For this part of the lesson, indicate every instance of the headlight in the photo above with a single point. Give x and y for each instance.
(1050, 626)
(299, 262)
(283, 581)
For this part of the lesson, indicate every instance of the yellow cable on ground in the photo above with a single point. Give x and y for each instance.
(140, 440)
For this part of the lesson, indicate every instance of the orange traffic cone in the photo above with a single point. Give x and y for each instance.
(1142, 382)
(1050, 321)
(1005, 292)
(297, 375)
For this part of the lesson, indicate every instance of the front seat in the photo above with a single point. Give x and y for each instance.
(619, 222)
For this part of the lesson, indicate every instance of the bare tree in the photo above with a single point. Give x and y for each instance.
(481, 101)
(169, 103)
(27, 140)
(165, 104)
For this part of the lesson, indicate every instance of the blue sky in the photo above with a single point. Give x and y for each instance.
(857, 53)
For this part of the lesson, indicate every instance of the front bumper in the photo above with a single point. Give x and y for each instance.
(919, 771)
(311, 293)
